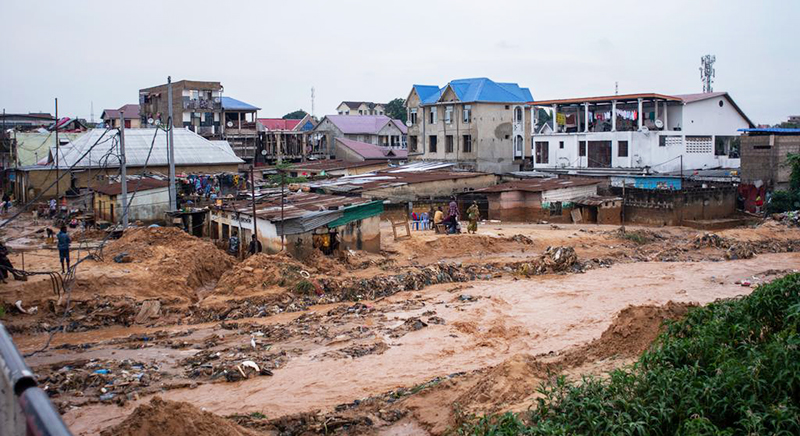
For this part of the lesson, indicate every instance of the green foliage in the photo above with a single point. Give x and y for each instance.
(543, 117)
(637, 237)
(730, 368)
(793, 160)
(296, 115)
(304, 287)
(783, 201)
(275, 179)
(397, 109)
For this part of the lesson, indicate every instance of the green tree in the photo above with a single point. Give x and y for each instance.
(543, 118)
(397, 109)
(296, 115)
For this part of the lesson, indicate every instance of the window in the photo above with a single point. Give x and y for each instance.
(448, 114)
(561, 144)
(360, 112)
(448, 144)
(467, 144)
(508, 107)
(555, 208)
(726, 146)
(414, 116)
(433, 115)
(518, 114)
(412, 143)
(622, 149)
(432, 144)
(467, 113)
(581, 148)
(542, 152)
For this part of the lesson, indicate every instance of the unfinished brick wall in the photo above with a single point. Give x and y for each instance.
(670, 208)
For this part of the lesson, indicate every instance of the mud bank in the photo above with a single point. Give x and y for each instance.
(481, 326)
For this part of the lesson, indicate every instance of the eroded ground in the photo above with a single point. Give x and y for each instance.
(401, 342)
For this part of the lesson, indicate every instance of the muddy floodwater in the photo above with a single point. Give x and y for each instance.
(482, 324)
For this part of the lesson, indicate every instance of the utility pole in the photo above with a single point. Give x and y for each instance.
(123, 171)
(253, 193)
(58, 169)
(173, 194)
(283, 183)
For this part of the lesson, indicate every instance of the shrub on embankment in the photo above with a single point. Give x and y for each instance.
(729, 368)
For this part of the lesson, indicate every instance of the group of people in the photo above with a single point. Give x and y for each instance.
(451, 220)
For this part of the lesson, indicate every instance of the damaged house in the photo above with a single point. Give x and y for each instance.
(305, 223)
(547, 199)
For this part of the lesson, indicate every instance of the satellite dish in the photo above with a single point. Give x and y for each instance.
(263, 152)
(645, 129)
(158, 122)
(150, 121)
(229, 124)
(659, 124)
(408, 123)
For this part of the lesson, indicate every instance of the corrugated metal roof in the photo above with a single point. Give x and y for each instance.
(190, 149)
(232, 104)
(129, 112)
(133, 186)
(594, 200)
(330, 165)
(278, 123)
(608, 99)
(539, 185)
(772, 130)
(298, 204)
(390, 178)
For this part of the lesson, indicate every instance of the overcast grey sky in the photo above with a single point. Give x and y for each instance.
(270, 54)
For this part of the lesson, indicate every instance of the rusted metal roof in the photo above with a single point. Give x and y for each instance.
(298, 205)
(133, 186)
(539, 185)
(594, 200)
(391, 178)
(331, 165)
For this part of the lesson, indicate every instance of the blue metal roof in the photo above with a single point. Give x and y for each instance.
(428, 93)
(772, 130)
(478, 89)
(233, 104)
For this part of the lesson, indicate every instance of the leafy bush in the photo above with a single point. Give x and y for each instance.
(730, 368)
(784, 201)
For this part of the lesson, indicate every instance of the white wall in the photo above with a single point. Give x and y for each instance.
(706, 117)
(148, 206)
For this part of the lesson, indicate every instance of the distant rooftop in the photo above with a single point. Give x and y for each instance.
(373, 152)
(232, 104)
(363, 124)
(478, 89)
(772, 131)
(539, 185)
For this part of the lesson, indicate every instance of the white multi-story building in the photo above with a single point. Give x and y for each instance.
(662, 132)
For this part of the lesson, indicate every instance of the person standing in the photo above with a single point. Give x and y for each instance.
(52, 207)
(452, 216)
(6, 203)
(233, 244)
(5, 263)
(255, 246)
(63, 247)
(474, 214)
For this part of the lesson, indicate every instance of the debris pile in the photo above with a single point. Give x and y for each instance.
(173, 418)
(99, 380)
(790, 219)
(710, 240)
(554, 260)
(741, 250)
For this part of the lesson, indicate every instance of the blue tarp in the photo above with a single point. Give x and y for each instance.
(233, 104)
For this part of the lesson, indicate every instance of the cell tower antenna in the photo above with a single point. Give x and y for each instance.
(707, 72)
(91, 114)
(312, 101)
(616, 88)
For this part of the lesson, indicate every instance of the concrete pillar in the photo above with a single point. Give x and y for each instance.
(655, 108)
(666, 119)
(614, 116)
(555, 118)
(586, 117)
(639, 118)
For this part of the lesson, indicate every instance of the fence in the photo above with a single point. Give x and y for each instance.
(24, 408)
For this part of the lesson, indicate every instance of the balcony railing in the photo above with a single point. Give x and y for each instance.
(202, 104)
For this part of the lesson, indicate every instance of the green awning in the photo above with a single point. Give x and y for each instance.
(359, 212)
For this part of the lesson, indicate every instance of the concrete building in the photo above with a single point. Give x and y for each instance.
(372, 129)
(355, 151)
(92, 158)
(310, 222)
(149, 204)
(543, 199)
(764, 167)
(478, 123)
(661, 132)
(361, 108)
(196, 105)
(239, 127)
(130, 113)
(285, 140)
